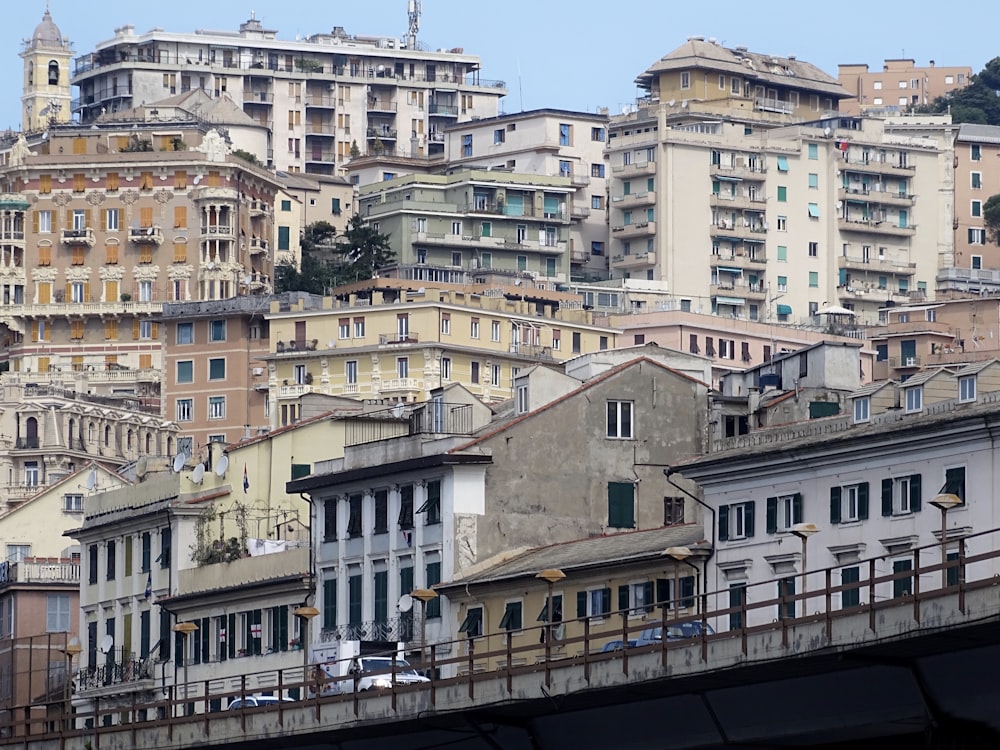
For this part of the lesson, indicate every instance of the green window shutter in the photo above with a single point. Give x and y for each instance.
(863, 501)
(751, 511)
(621, 505)
(329, 603)
(915, 492)
(581, 603)
(282, 618)
(381, 596)
(335, 206)
(835, 505)
(723, 523)
(662, 590)
(782, 193)
(647, 595)
(954, 482)
(433, 575)
(405, 580)
(623, 597)
(687, 592)
(797, 508)
(301, 470)
(605, 601)
(354, 600)
(284, 242)
(886, 497)
(772, 515)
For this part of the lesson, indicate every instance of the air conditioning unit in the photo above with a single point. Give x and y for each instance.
(258, 371)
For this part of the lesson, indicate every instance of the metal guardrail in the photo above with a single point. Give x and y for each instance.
(202, 701)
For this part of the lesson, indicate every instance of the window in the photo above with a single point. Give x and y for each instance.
(782, 194)
(166, 539)
(782, 223)
(57, 613)
(565, 134)
(330, 519)
(814, 210)
(954, 482)
(903, 584)
(914, 399)
(977, 180)
(512, 616)
(185, 371)
(432, 503)
(354, 506)
(813, 181)
(18, 552)
(737, 598)
(862, 409)
(381, 512)
(111, 567)
(814, 279)
(736, 521)
(597, 134)
(977, 236)
(359, 328)
(977, 209)
(597, 170)
(185, 410)
(495, 330)
(901, 495)
(432, 576)
(782, 253)
(72, 503)
(402, 367)
(474, 328)
(620, 420)
(216, 407)
(467, 144)
(786, 592)
(217, 368)
(565, 169)
(976, 262)
(597, 202)
(217, 330)
(344, 328)
(851, 595)
(596, 248)
(351, 371)
(673, 511)
(813, 249)
(783, 512)
(636, 598)
(621, 505)
(445, 368)
(782, 283)
(185, 333)
(495, 376)
(499, 136)
(812, 151)
(472, 625)
(593, 603)
(975, 150)
(967, 388)
(849, 503)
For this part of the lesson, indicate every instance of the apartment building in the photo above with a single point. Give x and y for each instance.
(900, 85)
(322, 97)
(472, 219)
(426, 491)
(976, 268)
(399, 340)
(305, 200)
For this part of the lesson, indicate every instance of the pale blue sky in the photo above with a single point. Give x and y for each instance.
(569, 54)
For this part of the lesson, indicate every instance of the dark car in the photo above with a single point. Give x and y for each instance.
(616, 645)
(676, 632)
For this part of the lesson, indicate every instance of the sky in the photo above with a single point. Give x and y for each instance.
(565, 54)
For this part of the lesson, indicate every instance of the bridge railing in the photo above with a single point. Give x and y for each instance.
(969, 563)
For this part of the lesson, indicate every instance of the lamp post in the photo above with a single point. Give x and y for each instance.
(423, 596)
(803, 531)
(945, 502)
(305, 614)
(71, 649)
(550, 576)
(186, 629)
(679, 554)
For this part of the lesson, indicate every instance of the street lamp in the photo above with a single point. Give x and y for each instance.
(305, 614)
(945, 502)
(186, 629)
(679, 554)
(71, 649)
(803, 531)
(423, 596)
(550, 576)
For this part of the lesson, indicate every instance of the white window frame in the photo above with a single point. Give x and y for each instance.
(57, 618)
(45, 222)
(786, 512)
(402, 367)
(862, 409)
(685, 80)
(637, 604)
(901, 496)
(111, 219)
(850, 505)
(216, 407)
(967, 389)
(495, 331)
(359, 328)
(351, 371)
(522, 399)
(495, 376)
(344, 330)
(738, 521)
(73, 503)
(445, 368)
(620, 425)
(594, 610)
(184, 410)
(474, 329)
(914, 399)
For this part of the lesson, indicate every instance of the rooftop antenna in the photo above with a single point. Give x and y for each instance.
(413, 13)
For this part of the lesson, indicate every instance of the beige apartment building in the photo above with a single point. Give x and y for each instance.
(976, 269)
(900, 85)
(322, 97)
(398, 340)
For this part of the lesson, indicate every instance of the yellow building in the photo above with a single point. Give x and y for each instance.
(609, 582)
(392, 339)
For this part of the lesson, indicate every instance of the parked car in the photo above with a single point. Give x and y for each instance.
(376, 673)
(676, 632)
(256, 701)
(616, 645)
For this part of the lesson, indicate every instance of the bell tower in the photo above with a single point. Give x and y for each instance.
(46, 88)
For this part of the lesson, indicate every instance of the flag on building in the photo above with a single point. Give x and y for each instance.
(246, 480)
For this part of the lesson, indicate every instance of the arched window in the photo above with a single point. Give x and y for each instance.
(91, 432)
(128, 440)
(69, 433)
(53, 73)
(31, 73)
(31, 433)
(149, 444)
(170, 447)
(107, 436)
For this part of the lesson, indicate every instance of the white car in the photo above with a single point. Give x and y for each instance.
(375, 673)
(256, 701)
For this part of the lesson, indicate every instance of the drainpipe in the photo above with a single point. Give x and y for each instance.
(668, 472)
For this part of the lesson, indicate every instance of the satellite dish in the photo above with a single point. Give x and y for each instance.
(210, 265)
(106, 644)
(198, 474)
(92, 479)
(179, 460)
(405, 603)
(247, 279)
(684, 104)
(826, 132)
(397, 410)
(141, 467)
(221, 466)
(840, 204)
(672, 102)
(197, 179)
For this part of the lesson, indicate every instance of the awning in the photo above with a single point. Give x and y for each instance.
(758, 240)
(784, 309)
(727, 178)
(727, 269)
(814, 210)
(737, 301)
(782, 163)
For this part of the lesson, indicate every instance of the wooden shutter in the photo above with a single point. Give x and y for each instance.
(34, 222)
(111, 291)
(45, 291)
(915, 493)
(69, 218)
(146, 216)
(86, 291)
(797, 508)
(156, 331)
(863, 501)
(45, 183)
(772, 515)
(662, 590)
(835, 504)
(180, 217)
(135, 328)
(79, 183)
(78, 256)
(45, 258)
(623, 597)
(43, 364)
(146, 361)
(687, 592)
(180, 179)
(34, 330)
(886, 497)
(112, 181)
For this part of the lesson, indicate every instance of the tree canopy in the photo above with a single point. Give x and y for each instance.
(991, 217)
(329, 260)
(979, 102)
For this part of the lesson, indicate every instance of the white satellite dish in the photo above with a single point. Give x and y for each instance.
(672, 102)
(826, 132)
(684, 104)
(221, 466)
(107, 643)
(179, 460)
(141, 467)
(198, 474)
(92, 479)
(397, 410)
(197, 179)
(405, 603)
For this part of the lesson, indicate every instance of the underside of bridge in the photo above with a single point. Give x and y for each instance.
(937, 691)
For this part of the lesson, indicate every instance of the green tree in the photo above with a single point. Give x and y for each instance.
(991, 217)
(321, 258)
(976, 103)
(363, 251)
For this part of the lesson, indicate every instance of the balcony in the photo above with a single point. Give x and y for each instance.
(43, 571)
(579, 179)
(259, 281)
(384, 133)
(864, 195)
(905, 363)
(635, 169)
(218, 230)
(259, 208)
(875, 226)
(579, 212)
(77, 237)
(323, 127)
(258, 246)
(26, 443)
(409, 385)
(876, 264)
(146, 235)
(409, 337)
(738, 202)
(381, 105)
(733, 289)
(442, 110)
(320, 101)
(633, 200)
(735, 172)
(741, 260)
(633, 261)
(258, 97)
(70, 309)
(640, 229)
(767, 104)
(119, 673)
(873, 293)
(294, 391)
(747, 231)
(875, 166)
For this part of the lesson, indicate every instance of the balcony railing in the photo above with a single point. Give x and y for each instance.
(445, 110)
(78, 237)
(152, 235)
(39, 571)
(119, 669)
(393, 630)
(218, 230)
(382, 133)
(432, 418)
(410, 337)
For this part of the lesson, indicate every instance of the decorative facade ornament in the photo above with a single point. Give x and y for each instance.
(78, 273)
(19, 151)
(61, 199)
(112, 273)
(43, 274)
(146, 273)
(180, 271)
(130, 197)
(95, 198)
(163, 196)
